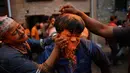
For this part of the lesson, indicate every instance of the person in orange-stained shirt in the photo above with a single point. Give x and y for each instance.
(34, 31)
(27, 31)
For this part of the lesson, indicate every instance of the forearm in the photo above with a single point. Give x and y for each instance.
(47, 66)
(95, 26)
(53, 57)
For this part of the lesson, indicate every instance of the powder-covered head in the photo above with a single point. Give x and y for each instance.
(5, 23)
(71, 22)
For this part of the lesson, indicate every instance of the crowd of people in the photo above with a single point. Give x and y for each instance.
(62, 45)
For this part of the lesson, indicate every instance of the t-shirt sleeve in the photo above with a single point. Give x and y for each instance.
(35, 45)
(122, 35)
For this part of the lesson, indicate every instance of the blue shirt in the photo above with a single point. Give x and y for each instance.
(13, 61)
(86, 52)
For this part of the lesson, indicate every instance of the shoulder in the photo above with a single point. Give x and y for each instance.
(34, 28)
(6, 51)
(89, 45)
(13, 60)
(85, 44)
(84, 41)
(8, 54)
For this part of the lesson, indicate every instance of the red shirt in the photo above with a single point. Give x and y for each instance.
(112, 24)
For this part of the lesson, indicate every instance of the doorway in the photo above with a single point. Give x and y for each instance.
(33, 19)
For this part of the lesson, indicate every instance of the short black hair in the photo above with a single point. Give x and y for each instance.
(69, 22)
(113, 17)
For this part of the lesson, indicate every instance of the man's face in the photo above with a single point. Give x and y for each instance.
(16, 34)
(73, 39)
(52, 20)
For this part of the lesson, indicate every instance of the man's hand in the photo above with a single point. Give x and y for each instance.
(69, 9)
(60, 43)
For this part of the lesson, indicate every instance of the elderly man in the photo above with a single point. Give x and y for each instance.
(15, 53)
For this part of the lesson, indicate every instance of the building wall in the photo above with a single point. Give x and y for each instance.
(21, 8)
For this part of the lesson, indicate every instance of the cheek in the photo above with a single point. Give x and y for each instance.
(14, 38)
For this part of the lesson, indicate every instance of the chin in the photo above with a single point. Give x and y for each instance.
(72, 46)
(23, 39)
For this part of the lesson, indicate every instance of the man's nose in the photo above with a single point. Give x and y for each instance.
(73, 39)
(20, 31)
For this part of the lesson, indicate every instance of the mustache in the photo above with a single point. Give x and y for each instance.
(22, 36)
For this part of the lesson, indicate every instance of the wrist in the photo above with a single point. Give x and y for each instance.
(57, 49)
(46, 68)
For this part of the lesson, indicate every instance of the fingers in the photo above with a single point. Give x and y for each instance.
(64, 44)
(65, 7)
(69, 9)
(61, 42)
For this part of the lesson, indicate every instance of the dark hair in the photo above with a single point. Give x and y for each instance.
(119, 22)
(69, 22)
(113, 17)
(51, 17)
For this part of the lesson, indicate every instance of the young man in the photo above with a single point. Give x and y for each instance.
(15, 52)
(77, 56)
(121, 34)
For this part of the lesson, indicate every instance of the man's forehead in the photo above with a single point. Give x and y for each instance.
(66, 32)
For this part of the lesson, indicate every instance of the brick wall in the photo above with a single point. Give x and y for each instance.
(20, 7)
